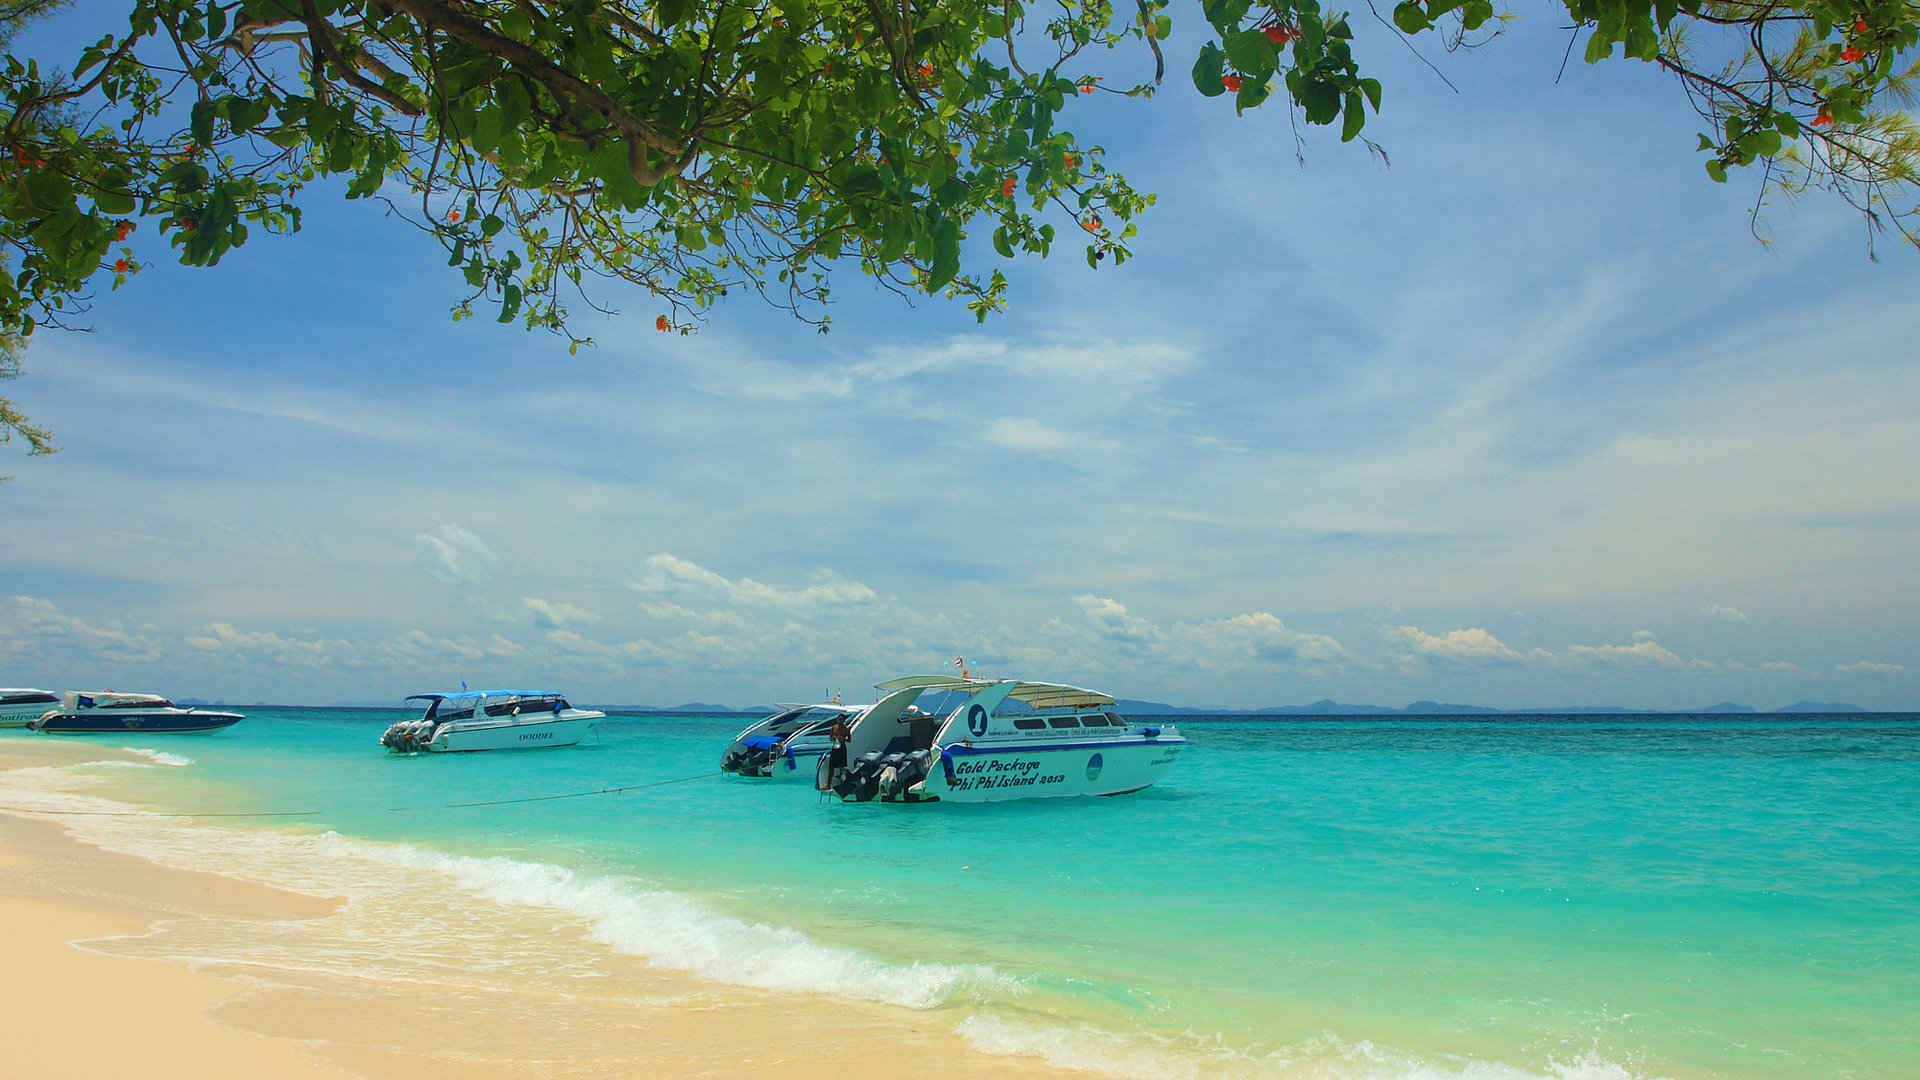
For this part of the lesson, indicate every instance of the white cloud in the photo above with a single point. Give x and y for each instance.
(1020, 433)
(1724, 613)
(1780, 666)
(551, 615)
(1258, 636)
(1868, 667)
(1112, 622)
(1471, 645)
(1641, 654)
(453, 554)
(668, 573)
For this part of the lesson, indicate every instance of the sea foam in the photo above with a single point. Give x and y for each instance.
(159, 757)
(382, 880)
(1156, 1056)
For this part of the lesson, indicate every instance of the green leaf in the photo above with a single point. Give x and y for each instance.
(1787, 124)
(946, 254)
(1356, 117)
(1371, 88)
(1251, 52)
(1475, 13)
(671, 12)
(111, 201)
(1642, 42)
(490, 225)
(1001, 244)
(1207, 70)
(1705, 143)
(243, 114)
(1410, 17)
(1599, 47)
(202, 121)
(509, 303)
(1718, 170)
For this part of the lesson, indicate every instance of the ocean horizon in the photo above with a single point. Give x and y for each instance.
(1683, 895)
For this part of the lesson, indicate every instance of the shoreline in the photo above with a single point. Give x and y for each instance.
(99, 936)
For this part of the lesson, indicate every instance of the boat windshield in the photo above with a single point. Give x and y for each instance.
(518, 705)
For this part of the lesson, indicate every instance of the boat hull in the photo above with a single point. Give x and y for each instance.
(1007, 771)
(517, 733)
(21, 715)
(119, 722)
(20, 706)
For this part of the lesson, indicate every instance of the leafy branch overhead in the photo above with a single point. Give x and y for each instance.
(696, 147)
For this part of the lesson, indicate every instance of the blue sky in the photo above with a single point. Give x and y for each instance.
(1526, 419)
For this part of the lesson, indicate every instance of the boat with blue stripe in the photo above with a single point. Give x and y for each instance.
(785, 745)
(1006, 739)
(491, 720)
(110, 712)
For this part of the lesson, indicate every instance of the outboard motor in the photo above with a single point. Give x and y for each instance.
(862, 779)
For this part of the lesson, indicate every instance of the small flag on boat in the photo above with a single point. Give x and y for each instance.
(463, 684)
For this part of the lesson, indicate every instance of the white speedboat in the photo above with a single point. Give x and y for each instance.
(108, 712)
(19, 705)
(786, 744)
(1006, 740)
(491, 720)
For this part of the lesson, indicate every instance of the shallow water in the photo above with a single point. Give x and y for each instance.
(1562, 896)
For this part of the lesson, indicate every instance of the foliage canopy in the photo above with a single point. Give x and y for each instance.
(694, 147)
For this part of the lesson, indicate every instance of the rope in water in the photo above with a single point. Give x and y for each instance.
(390, 809)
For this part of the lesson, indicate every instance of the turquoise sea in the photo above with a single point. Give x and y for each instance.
(1617, 896)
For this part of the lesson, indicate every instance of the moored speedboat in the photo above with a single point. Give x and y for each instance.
(492, 720)
(1056, 740)
(108, 712)
(786, 744)
(20, 706)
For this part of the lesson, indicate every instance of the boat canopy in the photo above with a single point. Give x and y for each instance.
(114, 699)
(469, 695)
(1039, 695)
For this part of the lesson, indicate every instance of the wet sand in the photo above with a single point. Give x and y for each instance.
(84, 1002)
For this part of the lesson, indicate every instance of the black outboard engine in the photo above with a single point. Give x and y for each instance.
(862, 779)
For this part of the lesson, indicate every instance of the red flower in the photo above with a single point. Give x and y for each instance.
(1086, 88)
(1860, 27)
(662, 324)
(125, 227)
(1277, 34)
(1851, 53)
(453, 215)
(926, 70)
(1091, 224)
(1006, 186)
(1825, 117)
(1070, 160)
(120, 266)
(1231, 83)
